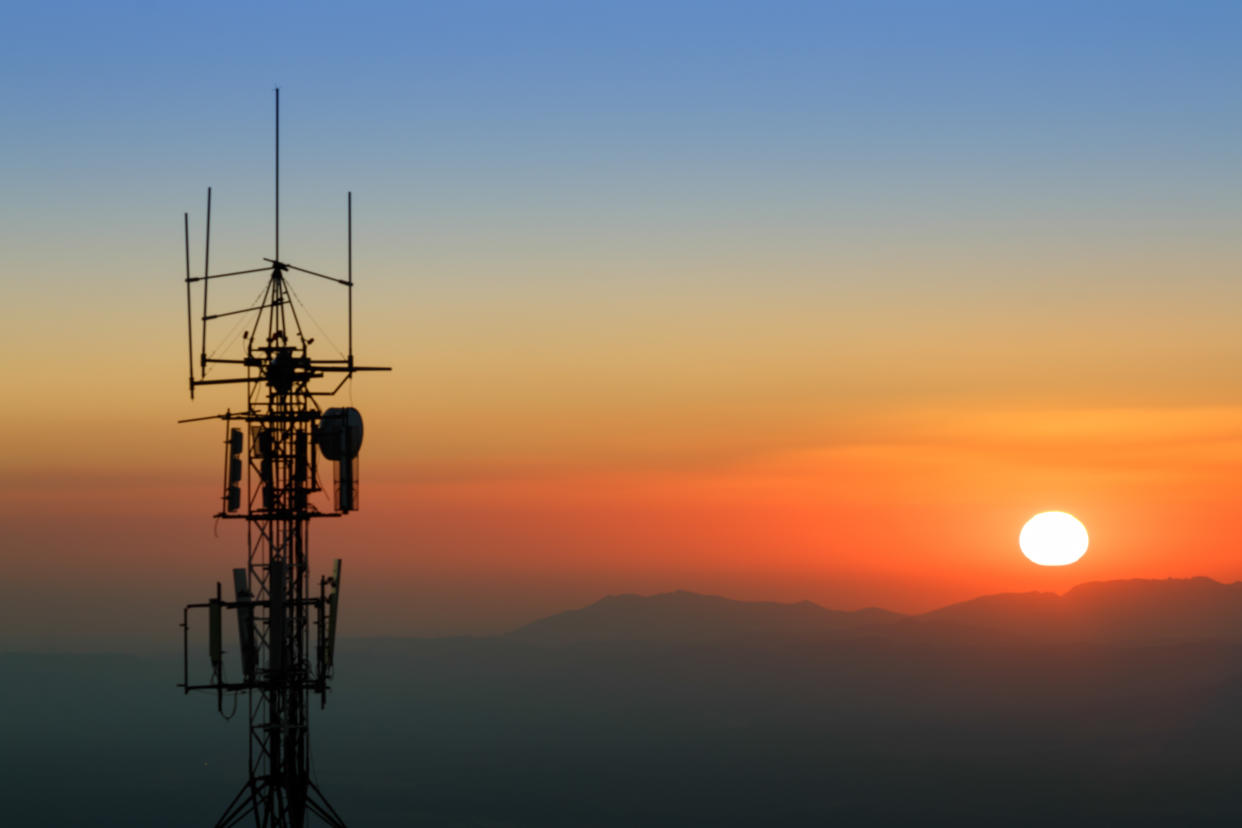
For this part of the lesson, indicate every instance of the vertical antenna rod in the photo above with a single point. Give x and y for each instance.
(349, 277)
(277, 255)
(189, 325)
(202, 367)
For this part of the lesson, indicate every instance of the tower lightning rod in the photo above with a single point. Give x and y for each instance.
(276, 256)
(349, 267)
(202, 366)
(189, 324)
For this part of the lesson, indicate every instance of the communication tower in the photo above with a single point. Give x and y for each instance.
(272, 482)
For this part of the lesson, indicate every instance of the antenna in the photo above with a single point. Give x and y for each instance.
(278, 439)
(334, 603)
(202, 359)
(349, 267)
(276, 255)
(189, 324)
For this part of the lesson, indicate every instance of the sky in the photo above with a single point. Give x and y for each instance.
(778, 301)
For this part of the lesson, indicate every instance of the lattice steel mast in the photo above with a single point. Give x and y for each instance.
(281, 660)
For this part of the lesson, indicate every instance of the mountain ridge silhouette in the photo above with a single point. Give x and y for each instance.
(1117, 611)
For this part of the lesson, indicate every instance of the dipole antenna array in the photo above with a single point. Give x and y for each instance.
(286, 631)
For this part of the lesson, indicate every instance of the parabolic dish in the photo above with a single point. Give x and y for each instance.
(339, 434)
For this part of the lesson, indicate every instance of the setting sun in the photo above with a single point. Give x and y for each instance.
(1053, 539)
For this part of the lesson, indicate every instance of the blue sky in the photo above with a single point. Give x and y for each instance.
(973, 155)
(470, 96)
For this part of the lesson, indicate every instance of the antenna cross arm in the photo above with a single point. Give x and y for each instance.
(272, 304)
(270, 515)
(222, 275)
(225, 416)
(310, 272)
(346, 369)
(221, 381)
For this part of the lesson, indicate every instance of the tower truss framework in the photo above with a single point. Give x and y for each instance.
(286, 627)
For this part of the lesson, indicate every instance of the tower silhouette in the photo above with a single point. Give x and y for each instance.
(286, 627)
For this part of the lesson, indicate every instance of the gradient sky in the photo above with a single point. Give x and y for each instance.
(777, 301)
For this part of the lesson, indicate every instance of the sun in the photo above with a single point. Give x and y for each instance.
(1053, 539)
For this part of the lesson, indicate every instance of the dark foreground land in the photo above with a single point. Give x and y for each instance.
(889, 724)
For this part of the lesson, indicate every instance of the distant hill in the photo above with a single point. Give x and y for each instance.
(686, 617)
(988, 712)
(1130, 611)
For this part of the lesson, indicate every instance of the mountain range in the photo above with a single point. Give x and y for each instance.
(1112, 704)
(1125, 611)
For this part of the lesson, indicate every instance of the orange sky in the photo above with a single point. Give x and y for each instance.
(909, 510)
(813, 305)
(841, 446)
